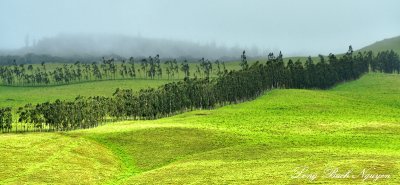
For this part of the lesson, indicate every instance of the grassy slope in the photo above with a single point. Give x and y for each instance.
(353, 126)
(386, 44)
(19, 96)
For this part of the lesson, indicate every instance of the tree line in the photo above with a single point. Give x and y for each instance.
(109, 69)
(201, 93)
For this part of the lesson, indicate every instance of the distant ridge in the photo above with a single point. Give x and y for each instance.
(383, 45)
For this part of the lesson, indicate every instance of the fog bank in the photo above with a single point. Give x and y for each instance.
(66, 45)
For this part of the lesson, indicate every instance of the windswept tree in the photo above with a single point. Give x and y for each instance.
(152, 68)
(144, 64)
(175, 68)
(310, 73)
(6, 119)
(158, 70)
(168, 69)
(132, 71)
(206, 67)
(185, 68)
(243, 61)
(172, 68)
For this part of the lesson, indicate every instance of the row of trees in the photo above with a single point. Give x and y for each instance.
(199, 93)
(63, 115)
(147, 68)
(386, 61)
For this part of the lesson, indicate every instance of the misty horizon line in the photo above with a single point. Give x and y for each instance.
(94, 45)
(99, 45)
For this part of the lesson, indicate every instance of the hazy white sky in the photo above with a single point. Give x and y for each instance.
(293, 26)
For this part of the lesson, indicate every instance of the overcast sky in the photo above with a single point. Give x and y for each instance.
(293, 26)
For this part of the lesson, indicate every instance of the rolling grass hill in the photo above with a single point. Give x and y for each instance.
(19, 96)
(353, 126)
(383, 45)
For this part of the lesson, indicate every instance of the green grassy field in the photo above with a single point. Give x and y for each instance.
(353, 126)
(19, 96)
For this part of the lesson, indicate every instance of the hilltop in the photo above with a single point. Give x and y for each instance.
(383, 45)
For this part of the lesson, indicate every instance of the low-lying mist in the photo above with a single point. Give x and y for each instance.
(66, 45)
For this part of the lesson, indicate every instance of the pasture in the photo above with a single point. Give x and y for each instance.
(352, 127)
